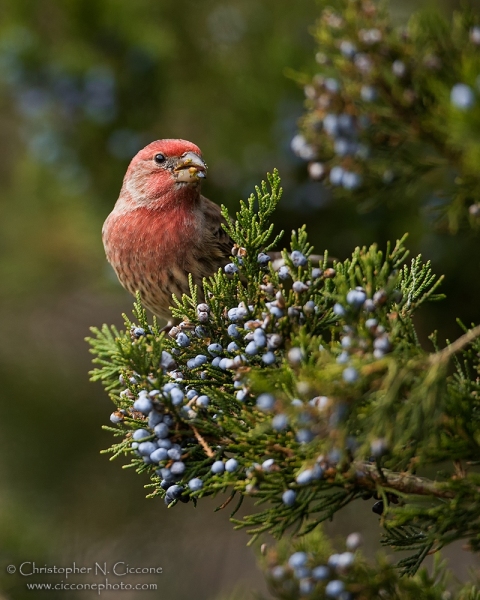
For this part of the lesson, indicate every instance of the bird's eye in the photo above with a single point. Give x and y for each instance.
(160, 158)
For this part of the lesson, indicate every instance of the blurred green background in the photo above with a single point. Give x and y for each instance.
(83, 85)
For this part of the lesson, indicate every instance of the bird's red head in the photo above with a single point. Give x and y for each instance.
(163, 170)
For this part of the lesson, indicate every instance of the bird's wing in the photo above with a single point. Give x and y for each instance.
(218, 236)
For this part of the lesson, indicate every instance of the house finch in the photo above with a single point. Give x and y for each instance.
(162, 228)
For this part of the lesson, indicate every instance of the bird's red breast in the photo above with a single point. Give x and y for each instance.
(150, 249)
(161, 228)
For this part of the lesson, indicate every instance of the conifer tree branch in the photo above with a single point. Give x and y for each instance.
(369, 476)
(208, 451)
(445, 354)
(281, 389)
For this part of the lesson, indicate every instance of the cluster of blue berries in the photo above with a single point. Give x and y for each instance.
(267, 403)
(252, 336)
(304, 424)
(362, 333)
(352, 340)
(248, 338)
(195, 360)
(340, 152)
(159, 444)
(306, 477)
(256, 472)
(217, 347)
(372, 77)
(302, 573)
(342, 126)
(254, 332)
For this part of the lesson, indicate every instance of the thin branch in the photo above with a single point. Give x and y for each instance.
(445, 354)
(287, 451)
(227, 501)
(208, 451)
(401, 482)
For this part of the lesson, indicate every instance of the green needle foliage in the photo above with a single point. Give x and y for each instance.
(304, 386)
(357, 577)
(393, 113)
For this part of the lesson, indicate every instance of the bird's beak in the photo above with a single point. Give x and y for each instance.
(190, 168)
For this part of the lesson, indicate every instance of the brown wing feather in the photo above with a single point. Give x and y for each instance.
(220, 241)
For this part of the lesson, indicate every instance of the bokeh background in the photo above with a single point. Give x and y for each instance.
(83, 85)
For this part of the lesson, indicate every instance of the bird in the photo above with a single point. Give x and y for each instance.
(162, 228)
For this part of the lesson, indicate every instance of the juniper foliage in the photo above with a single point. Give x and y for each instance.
(305, 387)
(393, 113)
(350, 574)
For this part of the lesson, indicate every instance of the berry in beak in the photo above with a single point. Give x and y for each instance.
(190, 168)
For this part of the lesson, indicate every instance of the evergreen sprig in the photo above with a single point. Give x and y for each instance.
(393, 113)
(304, 387)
